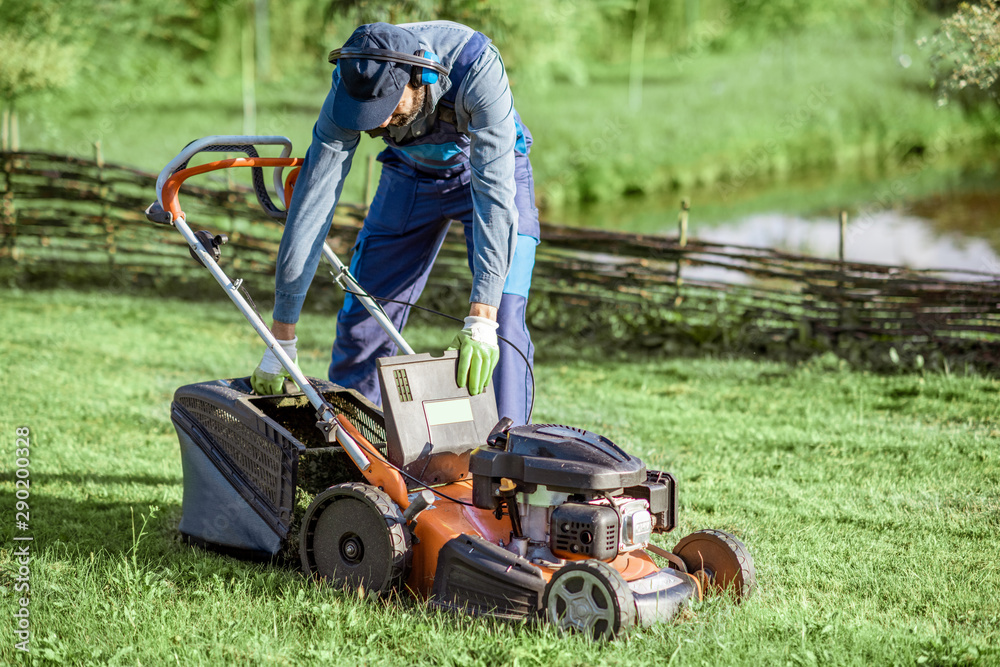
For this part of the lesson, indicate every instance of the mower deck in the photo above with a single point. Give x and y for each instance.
(245, 462)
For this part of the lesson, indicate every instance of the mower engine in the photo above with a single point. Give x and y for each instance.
(598, 529)
(571, 494)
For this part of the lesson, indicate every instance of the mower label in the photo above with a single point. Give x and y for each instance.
(452, 411)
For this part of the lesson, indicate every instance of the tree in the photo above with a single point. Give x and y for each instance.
(965, 51)
(39, 54)
(541, 40)
(389, 11)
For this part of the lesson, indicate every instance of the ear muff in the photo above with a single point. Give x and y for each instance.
(425, 66)
(423, 76)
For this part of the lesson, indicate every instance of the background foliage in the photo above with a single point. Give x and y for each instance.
(542, 40)
(624, 97)
(39, 48)
(966, 51)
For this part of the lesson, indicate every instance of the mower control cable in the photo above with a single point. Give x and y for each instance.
(531, 405)
(416, 480)
(239, 286)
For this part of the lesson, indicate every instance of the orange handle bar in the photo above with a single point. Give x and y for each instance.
(379, 472)
(173, 185)
(290, 181)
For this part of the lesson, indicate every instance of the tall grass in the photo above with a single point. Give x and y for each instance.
(871, 504)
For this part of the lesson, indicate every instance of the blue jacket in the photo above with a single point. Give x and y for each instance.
(484, 112)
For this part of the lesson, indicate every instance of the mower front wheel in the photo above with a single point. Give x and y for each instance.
(590, 597)
(720, 561)
(355, 536)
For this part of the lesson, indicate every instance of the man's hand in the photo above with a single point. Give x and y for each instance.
(478, 353)
(269, 376)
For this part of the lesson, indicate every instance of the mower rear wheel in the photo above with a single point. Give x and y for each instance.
(720, 560)
(590, 597)
(355, 536)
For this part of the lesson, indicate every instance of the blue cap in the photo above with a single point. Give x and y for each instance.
(370, 90)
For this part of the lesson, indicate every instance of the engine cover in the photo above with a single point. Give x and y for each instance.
(581, 529)
(560, 458)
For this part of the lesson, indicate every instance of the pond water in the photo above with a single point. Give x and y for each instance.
(936, 216)
(888, 237)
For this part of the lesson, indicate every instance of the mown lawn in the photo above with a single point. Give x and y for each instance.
(871, 504)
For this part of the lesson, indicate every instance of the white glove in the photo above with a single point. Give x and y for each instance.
(269, 376)
(482, 330)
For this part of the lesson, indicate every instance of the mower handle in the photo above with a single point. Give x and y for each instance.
(225, 143)
(168, 195)
(168, 186)
(176, 172)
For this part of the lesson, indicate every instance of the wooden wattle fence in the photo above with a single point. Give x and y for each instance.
(70, 221)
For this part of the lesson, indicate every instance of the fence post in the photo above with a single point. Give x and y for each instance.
(682, 221)
(682, 239)
(7, 219)
(840, 279)
(843, 235)
(369, 177)
(103, 191)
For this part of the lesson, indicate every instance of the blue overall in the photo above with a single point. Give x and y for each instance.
(425, 184)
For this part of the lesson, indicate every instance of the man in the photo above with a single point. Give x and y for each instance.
(456, 151)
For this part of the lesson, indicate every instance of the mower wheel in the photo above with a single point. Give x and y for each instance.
(720, 560)
(591, 597)
(355, 536)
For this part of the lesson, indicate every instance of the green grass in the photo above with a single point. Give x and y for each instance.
(871, 504)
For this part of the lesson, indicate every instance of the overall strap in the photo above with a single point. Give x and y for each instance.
(470, 52)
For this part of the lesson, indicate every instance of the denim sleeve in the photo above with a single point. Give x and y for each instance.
(314, 199)
(484, 100)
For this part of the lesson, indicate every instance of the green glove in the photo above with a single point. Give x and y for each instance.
(478, 353)
(269, 376)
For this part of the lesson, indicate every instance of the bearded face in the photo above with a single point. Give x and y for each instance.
(406, 113)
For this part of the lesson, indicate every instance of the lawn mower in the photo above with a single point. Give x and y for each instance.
(433, 493)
